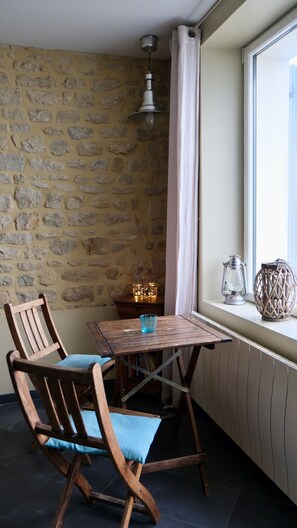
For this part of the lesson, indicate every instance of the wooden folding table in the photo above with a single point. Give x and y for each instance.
(123, 338)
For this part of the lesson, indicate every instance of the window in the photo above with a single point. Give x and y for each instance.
(270, 65)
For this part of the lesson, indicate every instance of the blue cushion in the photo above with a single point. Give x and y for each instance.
(134, 435)
(82, 361)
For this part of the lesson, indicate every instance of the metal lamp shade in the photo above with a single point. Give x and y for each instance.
(149, 106)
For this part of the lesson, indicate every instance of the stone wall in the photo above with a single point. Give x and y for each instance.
(83, 190)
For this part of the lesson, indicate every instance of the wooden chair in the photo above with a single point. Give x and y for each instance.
(123, 436)
(35, 337)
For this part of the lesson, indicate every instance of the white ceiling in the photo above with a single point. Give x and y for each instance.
(114, 27)
(101, 26)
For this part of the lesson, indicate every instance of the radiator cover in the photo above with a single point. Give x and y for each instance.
(251, 393)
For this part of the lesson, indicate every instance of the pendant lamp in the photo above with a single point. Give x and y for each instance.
(149, 107)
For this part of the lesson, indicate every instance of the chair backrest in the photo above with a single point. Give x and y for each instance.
(63, 417)
(68, 422)
(33, 330)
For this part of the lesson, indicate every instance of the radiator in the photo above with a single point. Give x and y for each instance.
(251, 393)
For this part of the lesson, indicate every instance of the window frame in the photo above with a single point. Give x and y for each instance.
(277, 31)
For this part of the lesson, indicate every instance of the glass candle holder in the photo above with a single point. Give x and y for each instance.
(151, 291)
(137, 291)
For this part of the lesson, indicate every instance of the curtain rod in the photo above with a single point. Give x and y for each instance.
(191, 32)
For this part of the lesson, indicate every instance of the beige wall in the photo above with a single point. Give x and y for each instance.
(221, 181)
(83, 190)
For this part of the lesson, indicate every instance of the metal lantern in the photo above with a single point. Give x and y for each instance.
(234, 286)
(275, 290)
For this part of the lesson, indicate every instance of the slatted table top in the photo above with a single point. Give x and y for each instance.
(124, 336)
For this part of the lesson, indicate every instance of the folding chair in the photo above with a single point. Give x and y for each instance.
(123, 436)
(35, 337)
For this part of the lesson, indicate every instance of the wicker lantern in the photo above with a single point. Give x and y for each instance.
(275, 290)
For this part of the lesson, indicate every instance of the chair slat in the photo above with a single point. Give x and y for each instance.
(35, 329)
(31, 332)
(15, 332)
(45, 351)
(41, 385)
(27, 305)
(89, 441)
(39, 328)
(70, 394)
(55, 386)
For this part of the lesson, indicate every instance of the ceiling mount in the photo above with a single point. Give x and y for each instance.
(149, 106)
(149, 43)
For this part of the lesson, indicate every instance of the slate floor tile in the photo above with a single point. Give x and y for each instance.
(242, 496)
(259, 512)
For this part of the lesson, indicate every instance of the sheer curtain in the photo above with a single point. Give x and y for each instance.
(182, 204)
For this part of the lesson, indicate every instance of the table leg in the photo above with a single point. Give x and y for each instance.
(119, 387)
(186, 379)
(185, 400)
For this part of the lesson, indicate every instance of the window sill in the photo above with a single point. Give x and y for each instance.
(280, 337)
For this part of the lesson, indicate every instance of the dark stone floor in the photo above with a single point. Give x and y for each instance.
(241, 495)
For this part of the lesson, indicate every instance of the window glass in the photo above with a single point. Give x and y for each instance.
(271, 150)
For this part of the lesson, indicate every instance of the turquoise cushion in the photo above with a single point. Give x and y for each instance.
(82, 361)
(134, 435)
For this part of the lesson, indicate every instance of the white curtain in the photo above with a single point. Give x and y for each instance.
(182, 203)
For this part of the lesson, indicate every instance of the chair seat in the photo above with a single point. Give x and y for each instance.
(134, 435)
(82, 361)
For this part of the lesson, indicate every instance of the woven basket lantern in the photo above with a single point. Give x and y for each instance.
(275, 290)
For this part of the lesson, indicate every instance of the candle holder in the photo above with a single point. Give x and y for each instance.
(150, 291)
(137, 290)
(145, 287)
